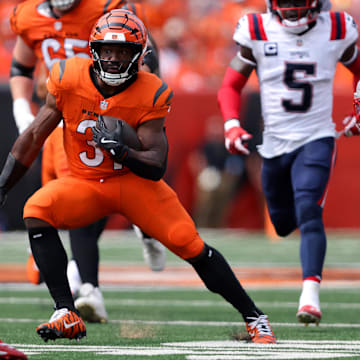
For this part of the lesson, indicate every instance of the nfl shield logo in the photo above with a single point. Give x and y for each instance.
(103, 104)
(58, 25)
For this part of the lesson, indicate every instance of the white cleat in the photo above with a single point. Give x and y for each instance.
(153, 251)
(309, 303)
(90, 304)
(74, 278)
(154, 254)
(308, 314)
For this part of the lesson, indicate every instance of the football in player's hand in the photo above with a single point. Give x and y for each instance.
(120, 131)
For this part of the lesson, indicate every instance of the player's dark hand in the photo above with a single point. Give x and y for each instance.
(111, 142)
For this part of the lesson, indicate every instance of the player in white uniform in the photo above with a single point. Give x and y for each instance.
(294, 48)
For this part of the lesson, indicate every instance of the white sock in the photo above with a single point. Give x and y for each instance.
(310, 294)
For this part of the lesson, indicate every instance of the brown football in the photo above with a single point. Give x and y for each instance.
(128, 133)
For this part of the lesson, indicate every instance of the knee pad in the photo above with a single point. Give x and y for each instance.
(185, 241)
(308, 212)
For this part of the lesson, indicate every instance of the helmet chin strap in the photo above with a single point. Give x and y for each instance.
(295, 27)
(62, 5)
(109, 78)
(116, 79)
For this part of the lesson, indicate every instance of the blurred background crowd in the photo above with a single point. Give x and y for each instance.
(195, 44)
(194, 37)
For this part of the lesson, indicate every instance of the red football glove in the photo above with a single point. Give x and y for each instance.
(352, 122)
(236, 137)
(352, 126)
(9, 353)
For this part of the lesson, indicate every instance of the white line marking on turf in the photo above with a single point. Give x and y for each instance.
(215, 350)
(190, 323)
(188, 303)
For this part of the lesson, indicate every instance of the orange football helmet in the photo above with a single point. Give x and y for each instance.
(123, 28)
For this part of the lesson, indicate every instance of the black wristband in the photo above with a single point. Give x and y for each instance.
(12, 172)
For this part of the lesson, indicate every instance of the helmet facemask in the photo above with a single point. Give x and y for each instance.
(125, 36)
(295, 15)
(126, 69)
(62, 5)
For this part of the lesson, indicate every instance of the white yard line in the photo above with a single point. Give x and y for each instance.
(188, 323)
(214, 350)
(177, 303)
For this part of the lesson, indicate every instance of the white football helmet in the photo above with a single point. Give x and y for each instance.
(296, 15)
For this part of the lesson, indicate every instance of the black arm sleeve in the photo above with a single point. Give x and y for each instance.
(151, 59)
(18, 69)
(144, 170)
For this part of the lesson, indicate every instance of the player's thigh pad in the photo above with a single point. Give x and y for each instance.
(67, 203)
(156, 209)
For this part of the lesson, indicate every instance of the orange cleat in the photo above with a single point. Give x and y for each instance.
(62, 324)
(7, 352)
(308, 314)
(32, 271)
(260, 330)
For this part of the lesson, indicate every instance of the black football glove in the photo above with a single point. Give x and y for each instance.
(11, 173)
(111, 141)
(3, 197)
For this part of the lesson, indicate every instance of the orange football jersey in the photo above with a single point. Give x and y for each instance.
(54, 39)
(81, 102)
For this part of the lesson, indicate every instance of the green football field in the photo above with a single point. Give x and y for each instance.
(172, 322)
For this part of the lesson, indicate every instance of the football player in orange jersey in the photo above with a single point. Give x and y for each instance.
(110, 177)
(60, 29)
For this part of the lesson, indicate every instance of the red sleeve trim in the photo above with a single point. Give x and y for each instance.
(256, 27)
(338, 26)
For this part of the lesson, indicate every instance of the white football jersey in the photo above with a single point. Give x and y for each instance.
(296, 75)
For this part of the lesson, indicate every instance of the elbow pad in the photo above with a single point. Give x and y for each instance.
(18, 69)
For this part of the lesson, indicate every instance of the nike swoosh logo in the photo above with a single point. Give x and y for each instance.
(105, 141)
(67, 326)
